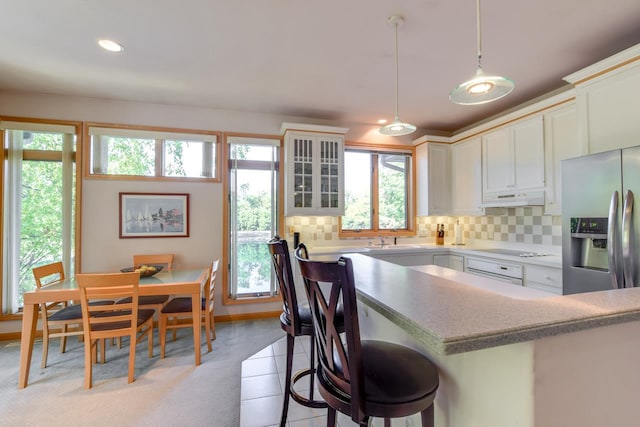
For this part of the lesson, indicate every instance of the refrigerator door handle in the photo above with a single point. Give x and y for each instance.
(628, 258)
(612, 242)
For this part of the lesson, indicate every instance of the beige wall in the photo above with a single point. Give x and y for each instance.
(102, 249)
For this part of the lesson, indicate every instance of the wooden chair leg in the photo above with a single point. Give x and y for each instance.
(63, 340)
(89, 355)
(331, 417)
(150, 338)
(213, 327)
(287, 385)
(428, 417)
(132, 355)
(207, 330)
(45, 341)
(174, 322)
(163, 334)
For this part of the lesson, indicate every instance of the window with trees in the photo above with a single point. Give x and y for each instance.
(378, 191)
(152, 152)
(39, 204)
(253, 207)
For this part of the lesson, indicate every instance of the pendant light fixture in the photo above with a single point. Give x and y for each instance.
(482, 88)
(397, 127)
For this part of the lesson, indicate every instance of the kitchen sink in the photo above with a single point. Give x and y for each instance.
(390, 247)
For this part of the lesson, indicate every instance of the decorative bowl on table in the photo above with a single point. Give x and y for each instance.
(145, 270)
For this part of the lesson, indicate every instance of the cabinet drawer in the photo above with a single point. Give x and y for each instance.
(545, 276)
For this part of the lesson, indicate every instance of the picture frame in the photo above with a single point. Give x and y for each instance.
(153, 215)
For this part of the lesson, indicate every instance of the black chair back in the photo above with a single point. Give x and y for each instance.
(330, 287)
(279, 250)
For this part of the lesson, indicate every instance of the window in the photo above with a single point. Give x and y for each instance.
(39, 204)
(253, 185)
(146, 152)
(378, 188)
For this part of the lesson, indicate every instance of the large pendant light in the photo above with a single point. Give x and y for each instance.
(482, 88)
(397, 127)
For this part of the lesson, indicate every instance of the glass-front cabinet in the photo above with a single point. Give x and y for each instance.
(314, 163)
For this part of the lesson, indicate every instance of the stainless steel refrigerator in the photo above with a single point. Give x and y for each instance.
(599, 222)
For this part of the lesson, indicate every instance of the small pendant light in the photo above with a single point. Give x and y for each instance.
(397, 127)
(482, 88)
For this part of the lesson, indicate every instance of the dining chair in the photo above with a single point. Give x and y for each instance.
(362, 378)
(155, 302)
(296, 321)
(58, 316)
(179, 310)
(102, 321)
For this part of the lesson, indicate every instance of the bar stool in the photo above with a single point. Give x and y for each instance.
(295, 320)
(362, 379)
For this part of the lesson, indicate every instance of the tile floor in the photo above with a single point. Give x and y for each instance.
(262, 391)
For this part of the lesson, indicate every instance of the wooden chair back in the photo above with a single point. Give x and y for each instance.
(49, 273)
(330, 285)
(100, 317)
(165, 259)
(210, 287)
(279, 250)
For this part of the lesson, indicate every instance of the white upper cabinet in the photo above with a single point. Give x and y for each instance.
(608, 101)
(513, 158)
(466, 178)
(433, 179)
(560, 142)
(314, 167)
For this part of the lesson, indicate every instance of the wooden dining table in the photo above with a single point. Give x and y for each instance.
(172, 282)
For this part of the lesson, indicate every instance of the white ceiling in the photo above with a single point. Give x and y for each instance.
(329, 60)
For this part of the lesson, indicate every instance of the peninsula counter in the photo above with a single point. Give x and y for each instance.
(509, 360)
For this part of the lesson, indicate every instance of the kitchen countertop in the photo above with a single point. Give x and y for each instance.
(553, 259)
(449, 316)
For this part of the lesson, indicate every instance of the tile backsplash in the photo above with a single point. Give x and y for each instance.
(519, 225)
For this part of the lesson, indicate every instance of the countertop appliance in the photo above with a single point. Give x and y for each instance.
(599, 231)
(505, 272)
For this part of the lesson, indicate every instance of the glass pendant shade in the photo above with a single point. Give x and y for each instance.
(481, 89)
(397, 127)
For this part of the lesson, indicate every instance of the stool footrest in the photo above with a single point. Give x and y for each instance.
(304, 401)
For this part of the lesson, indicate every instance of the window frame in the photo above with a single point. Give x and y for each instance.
(375, 231)
(159, 152)
(226, 294)
(46, 156)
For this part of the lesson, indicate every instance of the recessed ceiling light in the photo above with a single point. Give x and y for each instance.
(382, 121)
(110, 45)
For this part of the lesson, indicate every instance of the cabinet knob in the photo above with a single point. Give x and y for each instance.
(548, 277)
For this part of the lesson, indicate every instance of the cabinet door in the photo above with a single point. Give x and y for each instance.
(315, 174)
(466, 177)
(302, 182)
(441, 260)
(331, 160)
(497, 161)
(528, 148)
(561, 142)
(433, 179)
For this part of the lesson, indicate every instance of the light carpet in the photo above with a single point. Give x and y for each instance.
(166, 392)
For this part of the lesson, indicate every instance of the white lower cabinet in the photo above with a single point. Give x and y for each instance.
(547, 279)
(405, 259)
(454, 262)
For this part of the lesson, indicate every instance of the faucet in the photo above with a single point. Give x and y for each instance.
(382, 242)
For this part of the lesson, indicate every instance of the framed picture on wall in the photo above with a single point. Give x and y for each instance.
(154, 215)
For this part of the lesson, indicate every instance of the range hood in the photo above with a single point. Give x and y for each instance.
(513, 199)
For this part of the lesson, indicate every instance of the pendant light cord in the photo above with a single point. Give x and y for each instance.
(396, 27)
(478, 34)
